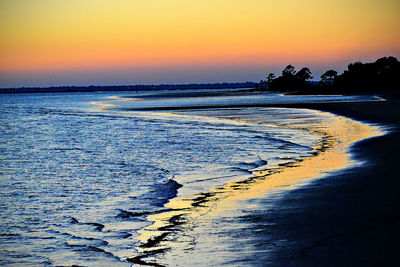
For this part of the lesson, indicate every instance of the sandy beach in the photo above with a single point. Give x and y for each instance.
(350, 218)
(278, 184)
(199, 133)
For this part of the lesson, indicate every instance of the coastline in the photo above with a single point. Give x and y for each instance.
(352, 217)
(152, 238)
(221, 221)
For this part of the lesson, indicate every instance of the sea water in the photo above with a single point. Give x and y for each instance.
(78, 179)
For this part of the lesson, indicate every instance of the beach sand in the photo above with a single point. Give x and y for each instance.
(348, 218)
(352, 217)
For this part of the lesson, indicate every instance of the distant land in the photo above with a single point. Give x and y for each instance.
(94, 88)
(381, 76)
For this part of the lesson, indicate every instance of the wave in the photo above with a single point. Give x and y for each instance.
(334, 134)
(127, 178)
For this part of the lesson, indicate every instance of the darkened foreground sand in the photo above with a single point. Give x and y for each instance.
(350, 218)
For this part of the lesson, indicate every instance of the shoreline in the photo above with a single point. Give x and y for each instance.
(351, 218)
(335, 153)
(131, 88)
(319, 106)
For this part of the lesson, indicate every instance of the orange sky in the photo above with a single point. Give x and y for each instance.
(58, 35)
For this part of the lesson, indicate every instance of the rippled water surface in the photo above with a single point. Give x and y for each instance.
(77, 182)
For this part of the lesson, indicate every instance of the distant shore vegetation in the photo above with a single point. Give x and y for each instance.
(134, 88)
(379, 76)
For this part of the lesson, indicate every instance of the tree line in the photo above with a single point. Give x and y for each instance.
(381, 75)
(139, 87)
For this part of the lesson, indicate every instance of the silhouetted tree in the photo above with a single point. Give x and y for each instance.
(290, 80)
(383, 74)
(270, 78)
(329, 76)
(289, 71)
(304, 74)
(355, 67)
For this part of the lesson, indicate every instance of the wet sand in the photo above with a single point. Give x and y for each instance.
(300, 225)
(352, 217)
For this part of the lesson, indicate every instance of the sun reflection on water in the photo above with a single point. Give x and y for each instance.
(332, 153)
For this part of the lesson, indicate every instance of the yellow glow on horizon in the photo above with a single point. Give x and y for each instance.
(58, 34)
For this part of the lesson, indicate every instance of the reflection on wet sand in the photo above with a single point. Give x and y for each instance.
(103, 105)
(171, 234)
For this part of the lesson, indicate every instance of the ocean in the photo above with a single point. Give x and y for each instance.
(115, 178)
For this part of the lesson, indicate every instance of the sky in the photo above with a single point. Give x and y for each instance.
(113, 42)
